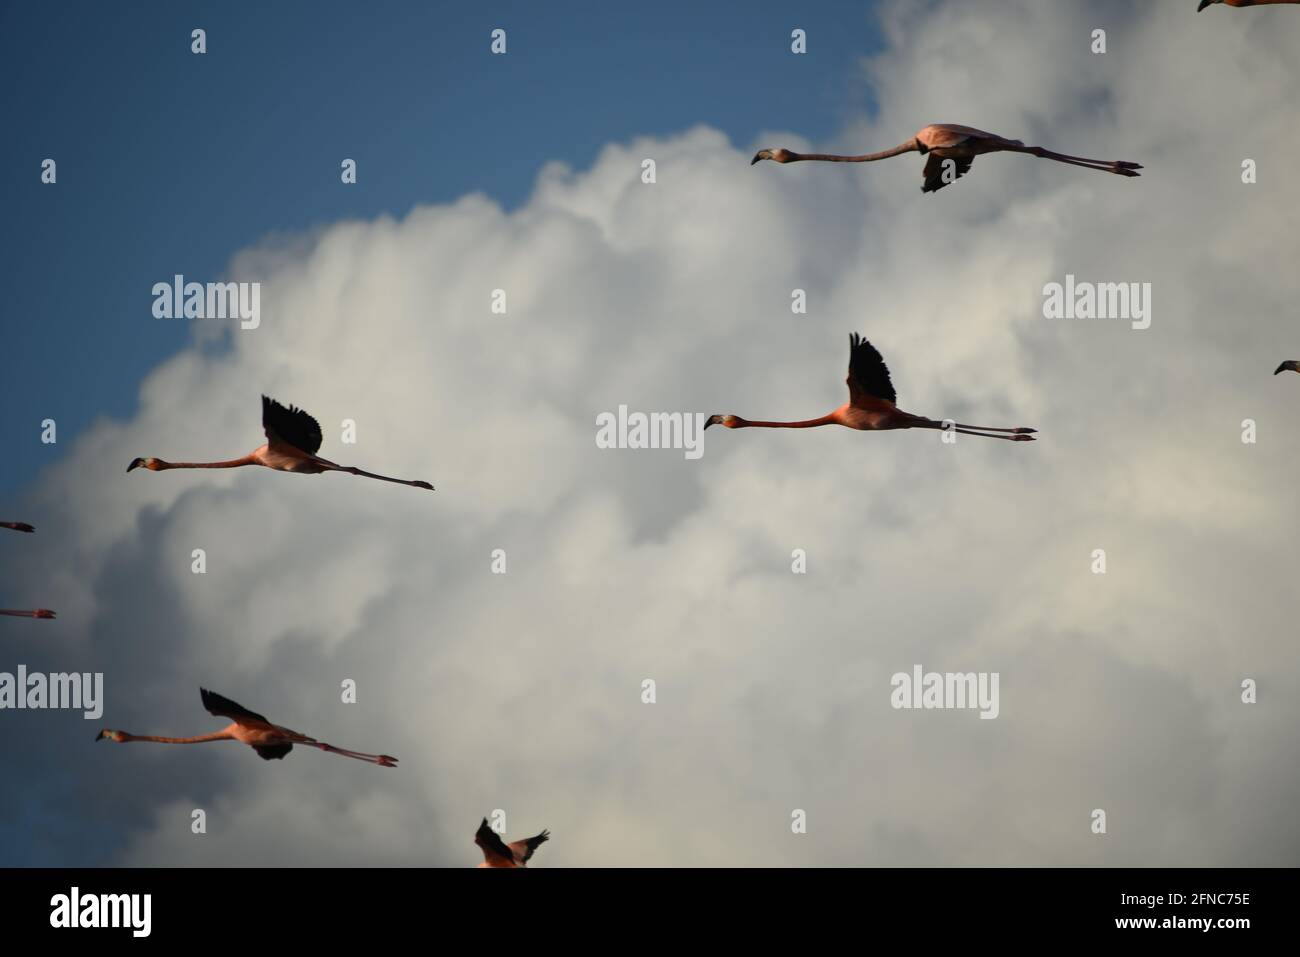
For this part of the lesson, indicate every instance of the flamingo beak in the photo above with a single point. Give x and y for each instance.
(714, 419)
(135, 464)
(1204, 4)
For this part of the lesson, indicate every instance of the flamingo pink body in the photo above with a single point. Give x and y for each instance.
(952, 149)
(270, 741)
(293, 437)
(497, 853)
(871, 406)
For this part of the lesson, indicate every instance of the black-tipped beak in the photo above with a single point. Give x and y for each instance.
(101, 736)
(757, 157)
(135, 464)
(1290, 364)
(1204, 4)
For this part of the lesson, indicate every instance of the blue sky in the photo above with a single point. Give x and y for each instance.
(169, 162)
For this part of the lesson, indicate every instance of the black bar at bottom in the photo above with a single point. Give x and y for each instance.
(330, 906)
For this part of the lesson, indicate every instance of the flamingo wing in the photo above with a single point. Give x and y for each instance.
(225, 708)
(936, 175)
(523, 850)
(292, 426)
(491, 843)
(868, 374)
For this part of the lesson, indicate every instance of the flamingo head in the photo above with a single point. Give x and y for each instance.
(729, 421)
(776, 156)
(483, 833)
(111, 735)
(149, 463)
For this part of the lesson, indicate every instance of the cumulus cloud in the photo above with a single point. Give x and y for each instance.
(522, 691)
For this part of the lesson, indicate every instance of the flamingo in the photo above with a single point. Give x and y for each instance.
(1240, 3)
(871, 404)
(1291, 364)
(267, 739)
(497, 853)
(292, 438)
(961, 144)
(18, 527)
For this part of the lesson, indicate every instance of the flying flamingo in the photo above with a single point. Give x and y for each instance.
(292, 438)
(1240, 3)
(267, 739)
(497, 853)
(871, 404)
(947, 141)
(18, 526)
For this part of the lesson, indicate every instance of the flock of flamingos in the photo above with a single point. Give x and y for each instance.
(293, 437)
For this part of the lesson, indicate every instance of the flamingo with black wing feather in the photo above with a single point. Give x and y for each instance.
(270, 741)
(497, 853)
(292, 440)
(871, 406)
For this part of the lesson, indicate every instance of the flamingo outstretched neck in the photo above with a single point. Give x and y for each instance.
(270, 741)
(293, 437)
(872, 405)
(951, 149)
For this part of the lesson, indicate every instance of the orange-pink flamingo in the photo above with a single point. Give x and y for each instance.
(270, 741)
(959, 144)
(497, 853)
(292, 439)
(871, 405)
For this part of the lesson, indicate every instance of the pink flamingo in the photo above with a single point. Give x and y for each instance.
(270, 741)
